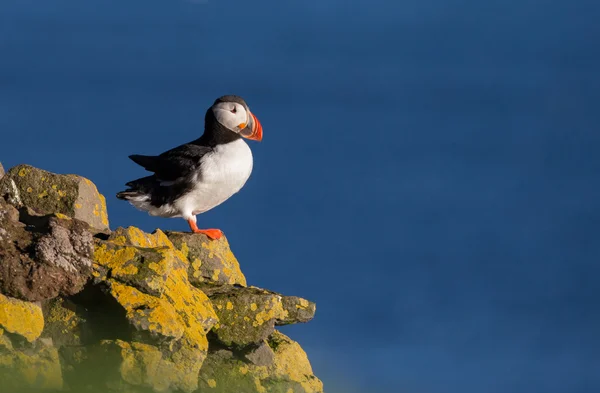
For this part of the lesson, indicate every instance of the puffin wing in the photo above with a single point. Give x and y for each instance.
(175, 164)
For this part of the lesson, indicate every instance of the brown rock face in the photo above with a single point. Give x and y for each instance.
(46, 261)
(86, 309)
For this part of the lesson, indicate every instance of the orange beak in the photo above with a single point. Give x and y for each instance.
(254, 132)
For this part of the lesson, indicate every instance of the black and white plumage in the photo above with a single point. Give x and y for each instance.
(197, 176)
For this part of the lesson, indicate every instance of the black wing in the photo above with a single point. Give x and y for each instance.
(173, 164)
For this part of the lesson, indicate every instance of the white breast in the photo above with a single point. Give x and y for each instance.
(224, 172)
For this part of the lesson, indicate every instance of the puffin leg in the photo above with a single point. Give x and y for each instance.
(213, 234)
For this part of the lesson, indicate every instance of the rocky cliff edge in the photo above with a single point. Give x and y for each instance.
(87, 309)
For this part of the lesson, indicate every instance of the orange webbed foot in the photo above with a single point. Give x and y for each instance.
(213, 234)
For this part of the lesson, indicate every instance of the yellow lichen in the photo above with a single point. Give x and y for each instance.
(103, 211)
(162, 318)
(23, 172)
(253, 307)
(22, 318)
(231, 268)
(269, 313)
(196, 264)
(78, 206)
(212, 383)
(116, 259)
(303, 304)
(244, 370)
(259, 387)
(136, 237)
(291, 360)
(229, 306)
(29, 189)
(43, 194)
(186, 251)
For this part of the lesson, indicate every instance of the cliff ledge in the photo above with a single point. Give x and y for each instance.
(87, 309)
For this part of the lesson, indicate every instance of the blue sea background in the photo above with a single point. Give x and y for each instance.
(429, 173)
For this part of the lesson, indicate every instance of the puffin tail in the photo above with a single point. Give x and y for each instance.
(139, 190)
(131, 195)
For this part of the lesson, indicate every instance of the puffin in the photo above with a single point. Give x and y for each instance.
(197, 176)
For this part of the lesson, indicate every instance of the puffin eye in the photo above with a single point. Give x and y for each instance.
(234, 110)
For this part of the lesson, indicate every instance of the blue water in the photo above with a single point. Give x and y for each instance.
(429, 173)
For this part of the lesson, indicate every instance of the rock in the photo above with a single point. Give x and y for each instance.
(263, 355)
(289, 371)
(36, 368)
(145, 366)
(49, 193)
(248, 315)
(63, 324)
(21, 318)
(211, 261)
(57, 260)
(160, 273)
(1, 170)
(86, 309)
(152, 286)
(68, 246)
(298, 310)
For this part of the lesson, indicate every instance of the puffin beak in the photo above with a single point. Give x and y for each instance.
(253, 130)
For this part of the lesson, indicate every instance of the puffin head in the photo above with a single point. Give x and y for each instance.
(232, 112)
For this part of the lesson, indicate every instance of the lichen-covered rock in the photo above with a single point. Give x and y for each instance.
(289, 371)
(148, 277)
(298, 310)
(49, 193)
(248, 315)
(211, 261)
(46, 260)
(161, 273)
(62, 323)
(145, 366)
(22, 318)
(1, 170)
(149, 313)
(128, 311)
(36, 368)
